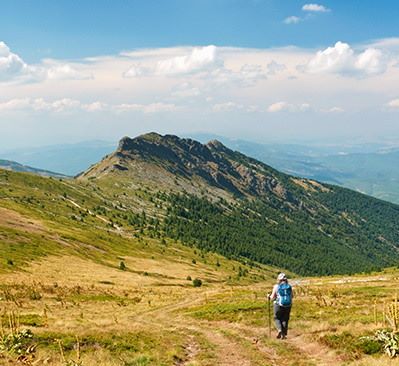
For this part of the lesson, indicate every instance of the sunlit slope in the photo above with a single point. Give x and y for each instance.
(221, 200)
(43, 217)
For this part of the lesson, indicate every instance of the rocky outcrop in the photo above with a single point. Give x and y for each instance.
(213, 162)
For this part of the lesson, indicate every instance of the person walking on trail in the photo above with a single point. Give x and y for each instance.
(282, 295)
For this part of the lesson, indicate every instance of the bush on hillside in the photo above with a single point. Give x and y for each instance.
(197, 282)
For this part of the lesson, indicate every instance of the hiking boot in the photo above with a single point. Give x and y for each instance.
(279, 335)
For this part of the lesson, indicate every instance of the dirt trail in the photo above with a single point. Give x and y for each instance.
(229, 352)
(191, 350)
(235, 344)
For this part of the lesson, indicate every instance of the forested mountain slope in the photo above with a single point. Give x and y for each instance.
(211, 197)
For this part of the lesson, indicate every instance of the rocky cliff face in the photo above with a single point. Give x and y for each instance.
(212, 164)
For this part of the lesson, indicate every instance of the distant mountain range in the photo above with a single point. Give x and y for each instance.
(68, 159)
(369, 168)
(16, 167)
(372, 169)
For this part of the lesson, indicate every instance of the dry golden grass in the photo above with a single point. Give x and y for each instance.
(159, 318)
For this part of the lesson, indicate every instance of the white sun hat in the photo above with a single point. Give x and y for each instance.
(281, 277)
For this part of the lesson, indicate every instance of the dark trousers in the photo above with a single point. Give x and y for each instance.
(281, 318)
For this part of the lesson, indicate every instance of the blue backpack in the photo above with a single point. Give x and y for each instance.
(284, 294)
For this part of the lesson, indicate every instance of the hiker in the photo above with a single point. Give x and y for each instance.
(282, 295)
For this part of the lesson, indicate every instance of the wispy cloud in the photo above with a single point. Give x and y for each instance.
(274, 68)
(310, 9)
(293, 19)
(71, 105)
(288, 107)
(316, 8)
(146, 108)
(393, 104)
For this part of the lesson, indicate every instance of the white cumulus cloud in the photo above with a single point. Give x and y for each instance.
(198, 59)
(317, 8)
(195, 60)
(12, 67)
(342, 59)
(371, 61)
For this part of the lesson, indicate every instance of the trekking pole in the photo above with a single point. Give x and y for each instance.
(269, 312)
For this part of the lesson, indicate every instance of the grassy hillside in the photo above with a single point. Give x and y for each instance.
(67, 299)
(46, 216)
(73, 271)
(217, 199)
(80, 312)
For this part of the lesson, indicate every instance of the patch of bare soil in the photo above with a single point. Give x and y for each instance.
(191, 350)
(14, 220)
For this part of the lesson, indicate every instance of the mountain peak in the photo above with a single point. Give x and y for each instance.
(126, 143)
(157, 159)
(215, 145)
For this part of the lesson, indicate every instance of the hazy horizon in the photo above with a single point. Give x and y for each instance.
(263, 71)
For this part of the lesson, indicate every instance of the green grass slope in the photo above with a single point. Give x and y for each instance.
(220, 200)
(44, 217)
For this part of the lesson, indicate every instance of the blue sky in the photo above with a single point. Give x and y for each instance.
(266, 70)
(71, 29)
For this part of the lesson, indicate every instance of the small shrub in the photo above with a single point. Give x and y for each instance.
(122, 266)
(370, 346)
(389, 342)
(194, 261)
(188, 278)
(352, 345)
(34, 295)
(10, 262)
(18, 343)
(197, 282)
